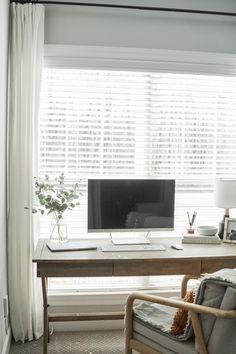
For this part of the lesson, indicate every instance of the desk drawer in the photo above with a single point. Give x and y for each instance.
(212, 265)
(74, 270)
(157, 267)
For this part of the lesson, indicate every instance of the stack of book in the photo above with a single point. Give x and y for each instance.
(189, 238)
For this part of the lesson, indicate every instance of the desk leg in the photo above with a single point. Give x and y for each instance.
(45, 315)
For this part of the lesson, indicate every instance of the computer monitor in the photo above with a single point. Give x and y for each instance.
(130, 204)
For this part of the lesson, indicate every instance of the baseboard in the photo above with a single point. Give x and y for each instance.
(7, 343)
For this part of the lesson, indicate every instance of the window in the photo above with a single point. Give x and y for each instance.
(119, 123)
(110, 123)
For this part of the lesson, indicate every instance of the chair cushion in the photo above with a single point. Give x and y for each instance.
(221, 338)
(160, 318)
(210, 294)
(161, 341)
(218, 290)
(151, 325)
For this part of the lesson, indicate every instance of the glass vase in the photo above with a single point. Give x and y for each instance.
(58, 232)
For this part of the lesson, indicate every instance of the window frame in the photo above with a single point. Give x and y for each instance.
(93, 57)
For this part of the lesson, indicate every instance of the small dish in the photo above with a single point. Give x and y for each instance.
(206, 230)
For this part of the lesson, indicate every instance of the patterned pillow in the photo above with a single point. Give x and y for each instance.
(181, 316)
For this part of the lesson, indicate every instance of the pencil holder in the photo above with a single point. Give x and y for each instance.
(191, 223)
(190, 229)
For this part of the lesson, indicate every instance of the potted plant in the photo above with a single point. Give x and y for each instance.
(55, 197)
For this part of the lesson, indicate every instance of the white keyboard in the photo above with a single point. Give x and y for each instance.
(132, 248)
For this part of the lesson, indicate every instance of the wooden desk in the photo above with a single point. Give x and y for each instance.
(195, 259)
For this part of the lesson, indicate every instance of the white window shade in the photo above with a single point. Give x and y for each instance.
(92, 122)
(96, 123)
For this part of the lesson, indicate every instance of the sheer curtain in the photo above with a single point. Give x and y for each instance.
(25, 65)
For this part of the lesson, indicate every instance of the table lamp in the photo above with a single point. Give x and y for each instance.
(225, 197)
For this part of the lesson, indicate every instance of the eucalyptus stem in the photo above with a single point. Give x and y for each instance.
(55, 197)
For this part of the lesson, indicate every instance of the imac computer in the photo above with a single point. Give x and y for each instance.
(122, 206)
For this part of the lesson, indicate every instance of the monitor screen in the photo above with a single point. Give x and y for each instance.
(130, 204)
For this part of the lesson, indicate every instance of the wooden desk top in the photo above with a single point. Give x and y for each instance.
(193, 259)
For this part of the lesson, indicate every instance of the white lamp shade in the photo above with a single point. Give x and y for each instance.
(225, 193)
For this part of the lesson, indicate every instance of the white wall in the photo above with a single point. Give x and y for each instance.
(4, 14)
(144, 29)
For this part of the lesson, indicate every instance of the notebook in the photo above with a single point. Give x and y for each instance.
(71, 246)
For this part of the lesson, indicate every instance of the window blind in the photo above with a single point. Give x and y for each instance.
(104, 123)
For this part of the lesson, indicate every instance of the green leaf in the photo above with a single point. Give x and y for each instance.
(54, 195)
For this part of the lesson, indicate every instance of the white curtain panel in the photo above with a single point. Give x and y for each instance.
(25, 66)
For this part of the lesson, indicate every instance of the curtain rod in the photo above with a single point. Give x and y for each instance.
(129, 7)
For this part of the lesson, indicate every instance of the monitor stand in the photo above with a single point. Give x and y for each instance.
(133, 238)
